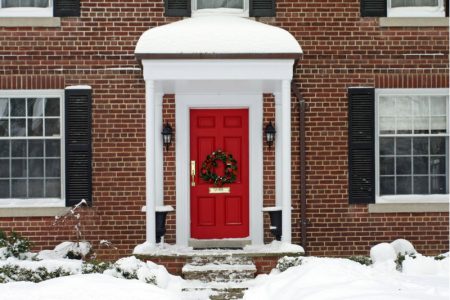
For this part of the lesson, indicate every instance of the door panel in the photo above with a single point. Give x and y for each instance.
(215, 216)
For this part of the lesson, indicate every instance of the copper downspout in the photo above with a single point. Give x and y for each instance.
(303, 219)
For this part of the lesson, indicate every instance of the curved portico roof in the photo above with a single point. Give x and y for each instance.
(217, 36)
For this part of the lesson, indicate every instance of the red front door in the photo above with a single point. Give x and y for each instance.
(219, 215)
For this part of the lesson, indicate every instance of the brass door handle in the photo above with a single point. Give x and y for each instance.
(193, 172)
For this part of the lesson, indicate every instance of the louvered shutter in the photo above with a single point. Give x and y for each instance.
(373, 8)
(446, 8)
(177, 8)
(78, 146)
(262, 8)
(361, 147)
(66, 8)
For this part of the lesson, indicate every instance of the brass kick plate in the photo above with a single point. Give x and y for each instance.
(222, 190)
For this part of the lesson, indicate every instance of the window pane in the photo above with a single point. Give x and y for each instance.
(34, 127)
(420, 146)
(52, 168)
(4, 108)
(387, 125)
(408, 3)
(387, 185)
(219, 3)
(4, 188)
(18, 127)
(36, 188)
(437, 145)
(403, 106)
(4, 168)
(420, 106)
(386, 165)
(19, 168)
(19, 148)
(25, 3)
(17, 107)
(51, 127)
(52, 188)
(403, 165)
(52, 148)
(19, 188)
(421, 185)
(386, 106)
(437, 165)
(386, 146)
(4, 148)
(36, 168)
(36, 148)
(404, 185)
(52, 107)
(421, 125)
(4, 128)
(404, 125)
(35, 107)
(439, 125)
(438, 185)
(403, 146)
(420, 165)
(438, 106)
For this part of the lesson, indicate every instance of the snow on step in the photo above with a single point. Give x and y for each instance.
(218, 267)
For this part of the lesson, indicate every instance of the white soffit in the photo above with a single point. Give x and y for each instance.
(218, 34)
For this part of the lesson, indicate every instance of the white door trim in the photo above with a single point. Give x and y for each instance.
(254, 103)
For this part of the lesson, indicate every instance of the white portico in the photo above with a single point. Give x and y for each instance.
(217, 62)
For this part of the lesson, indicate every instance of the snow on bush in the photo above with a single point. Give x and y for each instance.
(13, 246)
(70, 250)
(286, 262)
(382, 253)
(402, 246)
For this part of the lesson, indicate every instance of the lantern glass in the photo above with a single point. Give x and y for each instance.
(167, 135)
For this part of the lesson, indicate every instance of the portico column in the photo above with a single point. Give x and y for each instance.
(286, 160)
(150, 191)
(159, 147)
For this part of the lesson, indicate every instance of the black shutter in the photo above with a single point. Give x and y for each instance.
(361, 146)
(177, 8)
(373, 8)
(262, 8)
(78, 146)
(446, 8)
(66, 8)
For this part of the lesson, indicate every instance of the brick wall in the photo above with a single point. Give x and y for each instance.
(341, 50)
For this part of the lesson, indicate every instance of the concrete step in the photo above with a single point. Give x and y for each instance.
(225, 259)
(219, 272)
(214, 293)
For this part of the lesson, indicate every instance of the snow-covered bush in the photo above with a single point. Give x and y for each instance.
(364, 260)
(95, 267)
(131, 268)
(383, 253)
(16, 273)
(286, 262)
(13, 245)
(71, 250)
(402, 246)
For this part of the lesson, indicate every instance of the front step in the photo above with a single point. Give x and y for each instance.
(221, 277)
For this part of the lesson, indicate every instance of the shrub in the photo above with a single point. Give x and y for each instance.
(16, 273)
(401, 258)
(364, 260)
(95, 267)
(14, 245)
(286, 262)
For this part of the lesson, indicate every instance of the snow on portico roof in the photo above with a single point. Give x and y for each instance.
(217, 36)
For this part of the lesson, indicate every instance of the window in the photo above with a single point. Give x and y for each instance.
(238, 7)
(26, 8)
(412, 143)
(415, 8)
(31, 147)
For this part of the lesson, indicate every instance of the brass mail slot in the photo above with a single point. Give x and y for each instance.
(221, 190)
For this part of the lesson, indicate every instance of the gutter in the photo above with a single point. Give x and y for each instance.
(303, 219)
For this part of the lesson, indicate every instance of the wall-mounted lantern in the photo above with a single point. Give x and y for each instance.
(167, 135)
(270, 131)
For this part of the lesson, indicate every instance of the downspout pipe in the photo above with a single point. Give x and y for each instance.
(302, 110)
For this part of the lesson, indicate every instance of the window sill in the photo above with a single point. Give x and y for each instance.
(30, 22)
(414, 22)
(408, 207)
(32, 211)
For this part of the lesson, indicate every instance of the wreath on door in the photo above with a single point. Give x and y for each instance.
(211, 162)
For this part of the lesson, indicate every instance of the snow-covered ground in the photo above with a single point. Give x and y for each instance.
(421, 278)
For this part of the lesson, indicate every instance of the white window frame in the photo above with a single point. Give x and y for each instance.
(434, 198)
(220, 11)
(40, 202)
(439, 11)
(39, 12)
